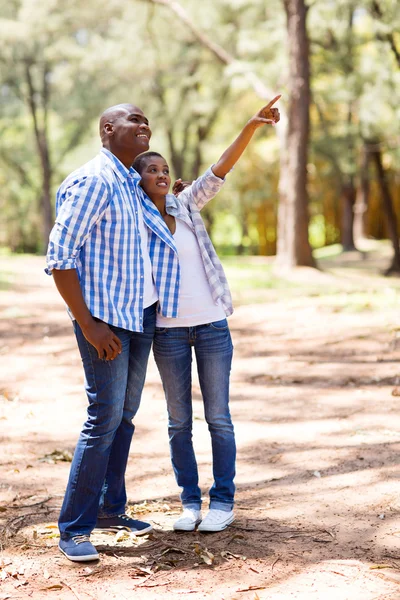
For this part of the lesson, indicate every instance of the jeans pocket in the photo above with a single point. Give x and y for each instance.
(219, 325)
(160, 330)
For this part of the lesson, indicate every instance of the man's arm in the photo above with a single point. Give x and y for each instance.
(97, 333)
(229, 158)
(83, 205)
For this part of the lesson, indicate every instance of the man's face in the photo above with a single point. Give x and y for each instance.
(130, 131)
(155, 176)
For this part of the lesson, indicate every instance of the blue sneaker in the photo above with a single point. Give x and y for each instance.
(78, 548)
(123, 522)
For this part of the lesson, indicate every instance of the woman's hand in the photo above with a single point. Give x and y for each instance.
(267, 115)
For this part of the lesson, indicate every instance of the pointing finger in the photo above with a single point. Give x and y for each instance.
(273, 101)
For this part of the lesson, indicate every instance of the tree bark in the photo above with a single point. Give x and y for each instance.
(362, 198)
(293, 246)
(348, 196)
(41, 138)
(388, 208)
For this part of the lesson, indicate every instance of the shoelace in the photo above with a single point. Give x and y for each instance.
(79, 539)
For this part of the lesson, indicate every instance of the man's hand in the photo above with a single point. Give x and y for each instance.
(267, 115)
(179, 186)
(107, 344)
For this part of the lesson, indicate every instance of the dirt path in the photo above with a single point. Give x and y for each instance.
(318, 435)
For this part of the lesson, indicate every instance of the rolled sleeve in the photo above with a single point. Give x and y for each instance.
(80, 206)
(202, 190)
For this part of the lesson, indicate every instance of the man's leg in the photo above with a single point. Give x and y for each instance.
(106, 383)
(113, 499)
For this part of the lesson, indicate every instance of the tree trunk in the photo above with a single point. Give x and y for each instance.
(42, 143)
(362, 197)
(348, 200)
(389, 210)
(293, 245)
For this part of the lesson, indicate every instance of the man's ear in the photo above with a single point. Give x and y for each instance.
(108, 129)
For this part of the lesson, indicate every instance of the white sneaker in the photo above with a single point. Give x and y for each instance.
(216, 520)
(188, 520)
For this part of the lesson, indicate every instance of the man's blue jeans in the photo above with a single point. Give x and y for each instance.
(173, 354)
(96, 486)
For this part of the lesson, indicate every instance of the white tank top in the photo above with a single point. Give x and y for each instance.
(196, 304)
(150, 294)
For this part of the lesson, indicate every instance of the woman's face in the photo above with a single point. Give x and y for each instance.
(155, 176)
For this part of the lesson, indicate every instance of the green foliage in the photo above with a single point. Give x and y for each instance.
(82, 57)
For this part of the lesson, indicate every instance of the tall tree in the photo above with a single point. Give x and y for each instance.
(46, 76)
(293, 244)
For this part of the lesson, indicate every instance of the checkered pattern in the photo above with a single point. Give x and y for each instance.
(165, 260)
(96, 233)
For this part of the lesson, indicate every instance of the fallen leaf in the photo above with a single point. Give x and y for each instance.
(204, 554)
(50, 536)
(56, 586)
(3, 509)
(122, 535)
(4, 562)
(227, 554)
(57, 456)
(381, 567)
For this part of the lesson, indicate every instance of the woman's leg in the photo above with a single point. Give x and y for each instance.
(173, 356)
(214, 351)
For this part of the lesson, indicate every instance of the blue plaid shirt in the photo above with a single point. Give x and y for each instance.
(96, 233)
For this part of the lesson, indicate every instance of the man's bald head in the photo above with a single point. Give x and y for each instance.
(125, 131)
(113, 112)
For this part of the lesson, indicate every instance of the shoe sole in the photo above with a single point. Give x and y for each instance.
(191, 527)
(84, 558)
(215, 530)
(122, 528)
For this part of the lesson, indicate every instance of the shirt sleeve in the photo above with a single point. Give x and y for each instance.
(202, 190)
(81, 206)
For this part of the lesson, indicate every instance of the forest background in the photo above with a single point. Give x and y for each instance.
(327, 174)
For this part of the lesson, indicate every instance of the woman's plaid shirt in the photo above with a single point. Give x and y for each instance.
(164, 257)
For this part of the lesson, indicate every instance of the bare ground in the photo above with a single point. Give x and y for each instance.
(318, 435)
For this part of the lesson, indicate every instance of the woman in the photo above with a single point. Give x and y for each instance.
(199, 322)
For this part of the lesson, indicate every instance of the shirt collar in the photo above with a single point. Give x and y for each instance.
(171, 204)
(120, 170)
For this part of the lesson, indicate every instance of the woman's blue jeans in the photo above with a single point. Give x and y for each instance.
(173, 354)
(96, 486)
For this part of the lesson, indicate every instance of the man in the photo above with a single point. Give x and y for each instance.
(100, 263)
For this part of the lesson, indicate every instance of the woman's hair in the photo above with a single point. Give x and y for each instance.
(140, 161)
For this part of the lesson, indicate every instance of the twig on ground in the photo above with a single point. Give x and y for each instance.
(151, 586)
(252, 587)
(72, 590)
(30, 505)
(275, 561)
